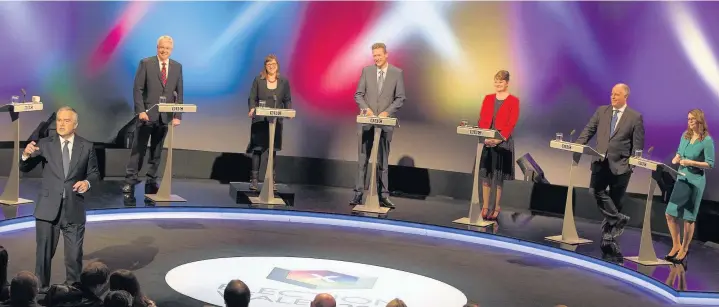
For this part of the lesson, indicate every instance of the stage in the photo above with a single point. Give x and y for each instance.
(417, 238)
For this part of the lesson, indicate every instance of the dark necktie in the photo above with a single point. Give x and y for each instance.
(66, 157)
(163, 74)
(615, 117)
(380, 82)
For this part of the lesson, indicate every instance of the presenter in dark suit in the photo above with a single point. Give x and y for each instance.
(69, 170)
(380, 92)
(620, 132)
(499, 111)
(156, 76)
(270, 87)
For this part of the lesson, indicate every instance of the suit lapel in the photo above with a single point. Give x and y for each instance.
(387, 78)
(75, 156)
(156, 67)
(373, 80)
(56, 153)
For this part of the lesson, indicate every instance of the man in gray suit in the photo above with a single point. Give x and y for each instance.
(69, 169)
(620, 132)
(156, 76)
(380, 92)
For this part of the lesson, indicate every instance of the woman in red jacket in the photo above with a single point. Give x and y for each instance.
(500, 112)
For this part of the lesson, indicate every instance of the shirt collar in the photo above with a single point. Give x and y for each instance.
(621, 110)
(71, 139)
(383, 69)
(161, 61)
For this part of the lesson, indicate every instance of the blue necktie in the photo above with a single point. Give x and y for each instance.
(615, 117)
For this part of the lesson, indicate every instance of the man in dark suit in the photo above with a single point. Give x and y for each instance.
(156, 76)
(69, 170)
(380, 91)
(620, 132)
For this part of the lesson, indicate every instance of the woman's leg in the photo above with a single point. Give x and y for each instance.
(497, 198)
(688, 235)
(674, 232)
(255, 172)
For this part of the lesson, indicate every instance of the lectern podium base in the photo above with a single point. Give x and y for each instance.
(479, 223)
(560, 239)
(242, 194)
(19, 201)
(274, 201)
(370, 210)
(649, 262)
(160, 199)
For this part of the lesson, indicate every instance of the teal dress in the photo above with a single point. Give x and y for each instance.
(688, 190)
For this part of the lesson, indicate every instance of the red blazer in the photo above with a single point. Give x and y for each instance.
(506, 116)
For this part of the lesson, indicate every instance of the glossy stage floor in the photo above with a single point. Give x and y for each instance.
(509, 264)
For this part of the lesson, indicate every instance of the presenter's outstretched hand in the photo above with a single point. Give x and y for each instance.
(30, 149)
(252, 112)
(384, 114)
(143, 117)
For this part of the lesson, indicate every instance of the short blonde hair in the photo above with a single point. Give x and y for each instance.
(165, 37)
(379, 46)
(396, 303)
(502, 75)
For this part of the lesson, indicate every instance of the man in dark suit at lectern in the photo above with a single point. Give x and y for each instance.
(620, 132)
(156, 76)
(69, 170)
(380, 91)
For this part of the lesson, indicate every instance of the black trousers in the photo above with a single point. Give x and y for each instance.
(609, 203)
(155, 132)
(257, 160)
(47, 235)
(365, 150)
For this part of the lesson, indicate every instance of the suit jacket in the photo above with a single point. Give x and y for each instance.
(83, 166)
(628, 137)
(506, 118)
(148, 87)
(283, 93)
(391, 98)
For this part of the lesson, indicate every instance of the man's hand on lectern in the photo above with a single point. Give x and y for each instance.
(384, 114)
(29, 149)
(143, 117)
(252, 112)
(368, 112)
(175, 121)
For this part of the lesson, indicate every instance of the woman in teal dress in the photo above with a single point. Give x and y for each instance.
(695, 155)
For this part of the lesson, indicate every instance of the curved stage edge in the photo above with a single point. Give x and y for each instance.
(629, 276)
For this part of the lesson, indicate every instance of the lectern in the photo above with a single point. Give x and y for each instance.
(475, 209)
(647, 256)
(11, 194)
(267, 193)
(164, 193)
(371, 202)
(569, 228)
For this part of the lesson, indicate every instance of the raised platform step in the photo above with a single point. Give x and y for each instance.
(241, 193)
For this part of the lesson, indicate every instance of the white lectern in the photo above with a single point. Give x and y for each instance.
(267, 194)
(475, 209)
(371, 202)
(647, 256)
(164, 193)
(11, 194)
(569, 228)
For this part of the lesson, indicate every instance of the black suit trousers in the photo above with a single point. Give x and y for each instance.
(47, 235)
(155, 132)
(609, 203)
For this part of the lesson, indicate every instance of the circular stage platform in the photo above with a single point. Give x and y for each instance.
(183, 256)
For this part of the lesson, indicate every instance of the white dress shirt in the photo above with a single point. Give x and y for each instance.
(619, 115)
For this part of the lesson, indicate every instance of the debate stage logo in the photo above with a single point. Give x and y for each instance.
(287, 281)
(321, 279)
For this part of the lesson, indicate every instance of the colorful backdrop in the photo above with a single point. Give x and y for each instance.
(564, 58)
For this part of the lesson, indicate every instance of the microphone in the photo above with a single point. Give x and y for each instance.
(274, 96)
(649, 152)
(22, 90)
(570, 135)
(174, 93)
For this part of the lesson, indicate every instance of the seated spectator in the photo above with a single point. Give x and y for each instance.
(126, 281)
(471, 305)
(4, 285)
(23, 290)
(396, 303)
(118, 299)
(57, 295)
(323, 300)
(93, 284)
(237, 294)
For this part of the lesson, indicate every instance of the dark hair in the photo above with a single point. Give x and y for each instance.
(237, 294)
(94, 274)
(119, 298)
(502, 75)
(4, 257)
(57, 294)
(23, 288)
(269, 58)
(127, 281)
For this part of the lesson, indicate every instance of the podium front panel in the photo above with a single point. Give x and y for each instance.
(644, 163)
(22, 107)
(376, 120)
(574, 147)
(176, 108)
(270, 112)
(479, 132)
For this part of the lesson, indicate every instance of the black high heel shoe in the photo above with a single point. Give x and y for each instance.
(682, 261)
(669, 257)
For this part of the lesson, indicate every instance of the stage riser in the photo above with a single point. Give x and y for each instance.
(235, 167)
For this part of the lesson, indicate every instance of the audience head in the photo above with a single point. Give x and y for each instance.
(237, 294)
(125, 280)
(471, 305)
(3, 266)
(57, 294)
(118, 298)
(396, 303)
(323, 300)
(24, 288)
(94, 274)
